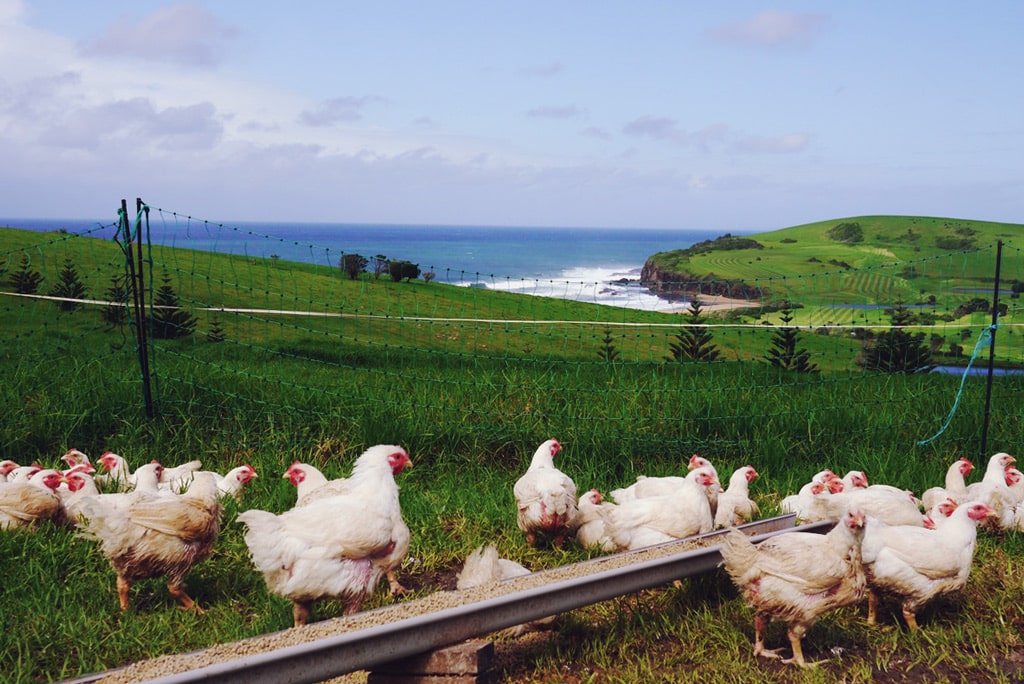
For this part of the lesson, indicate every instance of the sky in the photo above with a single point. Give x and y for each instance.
(745, 116)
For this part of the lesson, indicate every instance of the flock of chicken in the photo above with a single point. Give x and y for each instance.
(886, 541)
(160, 522)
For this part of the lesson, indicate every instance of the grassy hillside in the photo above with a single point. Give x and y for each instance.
(817, 248)
(831, 270)
(873, 245)
(833, 284)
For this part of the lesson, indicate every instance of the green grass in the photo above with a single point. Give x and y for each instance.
(470, 401)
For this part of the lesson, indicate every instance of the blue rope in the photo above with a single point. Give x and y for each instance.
(985, 339)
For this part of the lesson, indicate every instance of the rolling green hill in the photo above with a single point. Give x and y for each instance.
(840, 244)
(879, 260)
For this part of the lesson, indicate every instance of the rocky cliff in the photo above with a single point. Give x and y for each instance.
(676, 286)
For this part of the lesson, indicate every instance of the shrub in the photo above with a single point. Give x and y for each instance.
(353, 265)
(848, 232)
(403, 270)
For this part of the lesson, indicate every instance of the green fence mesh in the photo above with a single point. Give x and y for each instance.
(259, 332)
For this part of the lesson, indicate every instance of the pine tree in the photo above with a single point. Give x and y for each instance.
(26, 280)
(69, 287)
(785, 352)
(694, 340)
(608, 352)
(168, 320)
(896, 350)
(116, 313)
(216, 333)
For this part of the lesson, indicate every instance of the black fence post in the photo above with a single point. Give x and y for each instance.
(147, 388)
(137, 286)
(991, 350)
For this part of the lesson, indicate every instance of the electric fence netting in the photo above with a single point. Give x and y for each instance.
(261, 333)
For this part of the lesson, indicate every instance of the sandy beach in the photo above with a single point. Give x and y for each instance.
(712, 303)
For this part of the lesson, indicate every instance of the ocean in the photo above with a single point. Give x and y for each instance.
(599, 265)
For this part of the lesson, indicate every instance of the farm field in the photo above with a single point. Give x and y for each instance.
(470, 382)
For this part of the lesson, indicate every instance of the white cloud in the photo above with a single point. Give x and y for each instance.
(183, 34)
(772, 29)
(544, 70)
(337, 110)
(783, 144)
(656, 128)
(135, 124)
(556, 112)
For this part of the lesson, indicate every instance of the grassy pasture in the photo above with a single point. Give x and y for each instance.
(471, 401)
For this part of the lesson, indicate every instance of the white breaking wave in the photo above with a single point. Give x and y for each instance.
(613, 286)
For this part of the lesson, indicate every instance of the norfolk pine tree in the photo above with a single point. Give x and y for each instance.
(694, 340)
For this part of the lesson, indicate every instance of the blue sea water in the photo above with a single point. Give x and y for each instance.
(598, 265)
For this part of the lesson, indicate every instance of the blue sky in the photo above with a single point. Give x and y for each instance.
(737, 115)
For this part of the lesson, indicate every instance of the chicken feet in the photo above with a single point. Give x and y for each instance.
(176, 589)
(795, 634)
(395, 586)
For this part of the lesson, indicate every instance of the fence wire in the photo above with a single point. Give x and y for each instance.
(274, 333)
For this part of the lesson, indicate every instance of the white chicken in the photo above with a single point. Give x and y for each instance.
(796, 576)
(311, 484)
(1015, 482)
(232, 483)
(23, 473)
(954, 486)
(698, 461)
(854, 479)
(148, 534)
(636, 523)
(6, 466)
(915, 564)
(82, 485)
(79, 486)
(118, 475)
(75, 457)
(546, 502)
(592, 532)
(892, 505)
(993, 491)
(939, 513)
(24, 504)
(663, 485)
(808, 504)
(735, 506)
(484, 567)
(179, 477)
(334, 547)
